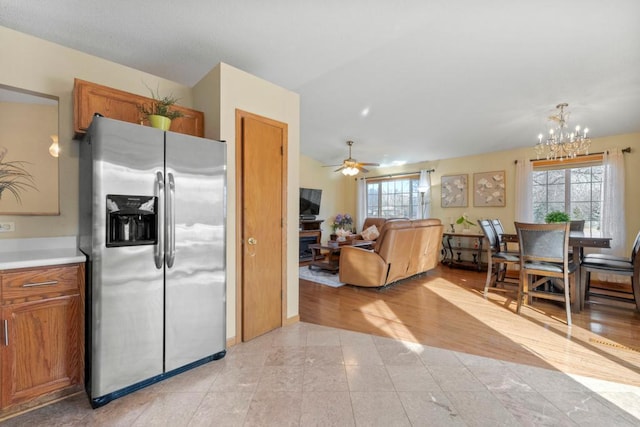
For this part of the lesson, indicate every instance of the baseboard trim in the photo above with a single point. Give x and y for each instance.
(289, 321)
(231, 341)
(292, 320)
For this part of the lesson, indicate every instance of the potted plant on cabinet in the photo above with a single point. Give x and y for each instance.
(159, 111)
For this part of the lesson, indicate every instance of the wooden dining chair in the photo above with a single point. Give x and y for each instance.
(497, 260)
(544, 254)
(499, 229)
(611, 264)
(576, 225)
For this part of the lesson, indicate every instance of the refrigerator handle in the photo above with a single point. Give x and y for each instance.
(171, 222)
(158, 254)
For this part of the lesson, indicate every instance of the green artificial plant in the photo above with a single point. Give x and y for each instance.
(14, 178)
(464, 220)
(160, 106)
(556, 216)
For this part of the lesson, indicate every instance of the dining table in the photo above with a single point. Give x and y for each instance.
(578, 240)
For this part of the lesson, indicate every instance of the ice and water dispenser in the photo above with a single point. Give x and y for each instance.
(131, 220)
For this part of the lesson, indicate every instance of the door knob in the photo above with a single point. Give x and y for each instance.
(252, 241)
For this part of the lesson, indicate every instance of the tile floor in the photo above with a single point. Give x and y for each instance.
(310, 375)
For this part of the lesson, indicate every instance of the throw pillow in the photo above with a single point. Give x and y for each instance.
(371, 233)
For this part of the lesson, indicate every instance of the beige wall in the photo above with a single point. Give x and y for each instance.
(40, 66)
(219, 94)
(25, 134)
(504, 160)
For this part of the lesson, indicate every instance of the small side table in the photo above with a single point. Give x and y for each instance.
(453, 248)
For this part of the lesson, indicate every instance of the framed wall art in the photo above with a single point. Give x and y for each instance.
(489, 189)
(454, 190)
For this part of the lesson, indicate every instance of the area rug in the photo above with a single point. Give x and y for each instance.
(320, 276)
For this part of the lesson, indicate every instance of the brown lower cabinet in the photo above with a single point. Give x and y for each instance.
(42, 329)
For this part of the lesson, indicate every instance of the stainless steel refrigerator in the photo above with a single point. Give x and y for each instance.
(152, 224)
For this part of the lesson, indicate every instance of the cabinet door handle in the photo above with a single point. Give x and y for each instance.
(49, 283)
(6, 333)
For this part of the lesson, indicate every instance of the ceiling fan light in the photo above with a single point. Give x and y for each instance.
(350, 171)
(351, 167)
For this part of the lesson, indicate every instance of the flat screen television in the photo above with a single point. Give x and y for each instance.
(310, 202)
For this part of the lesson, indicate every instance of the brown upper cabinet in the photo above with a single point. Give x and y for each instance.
(91, 98)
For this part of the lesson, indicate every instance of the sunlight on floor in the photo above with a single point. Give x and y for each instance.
(552, 334)
(380, 315)
(612, 392)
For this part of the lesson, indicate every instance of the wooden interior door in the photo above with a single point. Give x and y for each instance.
(262, 144)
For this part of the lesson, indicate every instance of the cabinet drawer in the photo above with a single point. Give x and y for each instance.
(39, 282)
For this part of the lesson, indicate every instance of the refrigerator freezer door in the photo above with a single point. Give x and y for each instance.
(196, 282)
(126, 285)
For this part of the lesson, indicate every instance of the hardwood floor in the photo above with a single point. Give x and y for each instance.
(445, 308)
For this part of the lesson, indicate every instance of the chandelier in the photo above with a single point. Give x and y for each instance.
(562, 144)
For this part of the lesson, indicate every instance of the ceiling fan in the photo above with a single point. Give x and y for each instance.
(351, 166)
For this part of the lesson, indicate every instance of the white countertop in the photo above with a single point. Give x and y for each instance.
(37, 252)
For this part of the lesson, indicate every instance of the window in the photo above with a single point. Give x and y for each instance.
(393, 197)
(574, 188)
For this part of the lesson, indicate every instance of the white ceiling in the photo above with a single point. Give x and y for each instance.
(440, 79)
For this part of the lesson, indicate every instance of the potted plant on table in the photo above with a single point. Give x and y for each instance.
(556, 216)
(464, 221)
(159, 111)
(342, 227)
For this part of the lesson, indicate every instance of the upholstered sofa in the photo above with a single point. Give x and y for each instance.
(368, 222)
(378, 222)
(403, 249)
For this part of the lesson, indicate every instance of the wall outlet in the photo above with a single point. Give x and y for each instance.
(6, 227)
